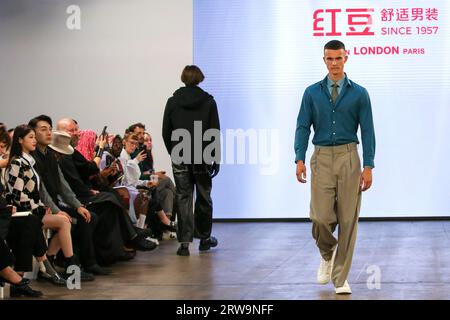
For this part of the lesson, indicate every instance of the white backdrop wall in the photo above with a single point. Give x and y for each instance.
(260, 55)
(118, 69)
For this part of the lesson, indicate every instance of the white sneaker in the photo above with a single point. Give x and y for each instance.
(345, 289)
(153, 240)
(168, 235)
(324, 272)
(325, 269)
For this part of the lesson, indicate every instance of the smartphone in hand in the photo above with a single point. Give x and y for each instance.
(104, 131)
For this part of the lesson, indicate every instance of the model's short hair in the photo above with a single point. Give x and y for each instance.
(33, 122)
(192, 75)
(334, 45)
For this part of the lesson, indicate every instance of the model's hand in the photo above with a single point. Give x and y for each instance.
(366, 179)
(214, 169)
(82, 211)
(301, 171)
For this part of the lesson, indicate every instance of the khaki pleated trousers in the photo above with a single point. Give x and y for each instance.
(335, 201)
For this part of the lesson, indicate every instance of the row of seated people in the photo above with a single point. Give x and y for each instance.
(92, 227)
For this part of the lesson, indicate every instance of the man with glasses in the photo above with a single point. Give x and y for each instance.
(335, 107)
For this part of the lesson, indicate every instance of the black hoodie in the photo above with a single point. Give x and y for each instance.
(189, 104)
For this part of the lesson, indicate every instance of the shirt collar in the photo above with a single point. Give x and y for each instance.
(125, 155)
(43, 151)
(29, 158)
(339, 82)
(345, 81)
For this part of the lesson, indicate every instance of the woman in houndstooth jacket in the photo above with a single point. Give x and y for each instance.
(25, 236)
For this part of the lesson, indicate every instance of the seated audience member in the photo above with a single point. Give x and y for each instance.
(57, 195)
(24, 184)
(78, 172)
(87, 143)
(110, 159)
(11, 133)
(5, 142)
(19, 285)
(131, 177)
(166, 188)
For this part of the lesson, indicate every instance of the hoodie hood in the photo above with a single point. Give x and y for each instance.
(191, 97)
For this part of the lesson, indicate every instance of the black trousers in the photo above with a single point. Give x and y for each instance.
(152, 219)
(108, 239)
(191, 223)
(82, 236)
(126, 225)
(6, 258)
(26, 239)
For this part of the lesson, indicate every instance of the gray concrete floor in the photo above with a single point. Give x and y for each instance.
(279, 261)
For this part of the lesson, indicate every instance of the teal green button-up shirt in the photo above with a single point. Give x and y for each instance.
(335, 124)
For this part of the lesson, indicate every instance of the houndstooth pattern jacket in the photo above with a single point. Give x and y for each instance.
(23, 185)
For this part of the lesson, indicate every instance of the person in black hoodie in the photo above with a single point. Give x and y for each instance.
(191, 113)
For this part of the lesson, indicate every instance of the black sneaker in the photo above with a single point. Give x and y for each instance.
(142, 244)
(143, 233)
(206, 244)
(25, 291)
(84, 276)
(97, 270)
(55, 279)
(183, 250)
(126, 256)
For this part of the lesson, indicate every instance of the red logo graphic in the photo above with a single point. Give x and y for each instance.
(359, 22)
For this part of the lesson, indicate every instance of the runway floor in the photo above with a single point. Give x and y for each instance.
(279, 261)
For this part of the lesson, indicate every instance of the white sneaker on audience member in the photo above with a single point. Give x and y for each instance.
(168, 235)
(153, 240)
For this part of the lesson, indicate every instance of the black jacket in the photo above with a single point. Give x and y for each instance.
(47, 167)
(77, 175)
(78, 171)
(187, 105)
